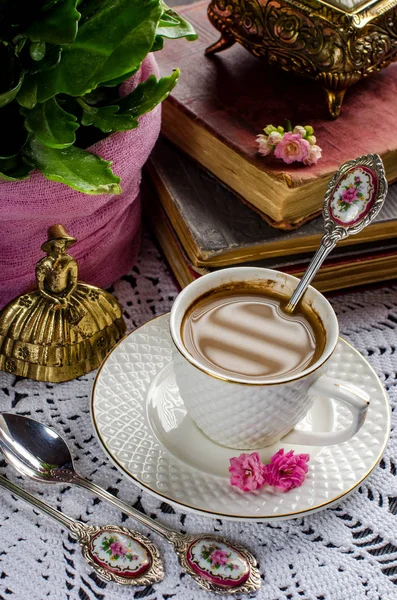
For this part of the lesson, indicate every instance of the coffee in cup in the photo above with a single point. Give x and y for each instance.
(241, 329)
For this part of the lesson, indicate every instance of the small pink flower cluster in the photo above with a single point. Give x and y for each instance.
(297, 145)
(219, 557)
(118, 548)
(349, 195)
(285, 471)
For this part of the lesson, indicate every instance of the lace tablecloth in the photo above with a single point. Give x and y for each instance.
(344, 553)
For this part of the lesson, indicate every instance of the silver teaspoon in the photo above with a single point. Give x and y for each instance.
(41, 453)
(353, 199)
(116, 553)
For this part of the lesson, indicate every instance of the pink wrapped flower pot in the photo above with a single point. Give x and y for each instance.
(107, 226)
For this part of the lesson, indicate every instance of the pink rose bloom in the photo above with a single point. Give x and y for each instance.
(264, 147)
(117, 548)
(349, 195)
(315, 153)
(286, 471)
(247, 472)
(292, 148)
(219, 557)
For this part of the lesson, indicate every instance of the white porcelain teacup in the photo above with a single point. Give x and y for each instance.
(242, 415)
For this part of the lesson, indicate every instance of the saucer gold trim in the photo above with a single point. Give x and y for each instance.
(217, 514)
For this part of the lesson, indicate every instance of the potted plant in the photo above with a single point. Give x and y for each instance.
(78, 78)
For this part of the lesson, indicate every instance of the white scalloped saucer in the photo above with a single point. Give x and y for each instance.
(142, 424)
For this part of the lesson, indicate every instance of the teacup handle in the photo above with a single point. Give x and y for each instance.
(356, 400)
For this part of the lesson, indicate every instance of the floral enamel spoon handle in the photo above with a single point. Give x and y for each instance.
(135, 560)
(40, 453)
(353, 199)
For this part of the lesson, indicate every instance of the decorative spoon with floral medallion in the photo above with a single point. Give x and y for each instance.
(40, 453)
(353, 199)
(116, 553)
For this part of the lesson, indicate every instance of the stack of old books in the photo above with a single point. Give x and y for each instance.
(213, 202)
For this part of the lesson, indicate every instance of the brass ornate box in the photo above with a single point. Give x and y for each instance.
(336, 42)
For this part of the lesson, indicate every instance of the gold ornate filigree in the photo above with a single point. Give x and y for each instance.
(314, 39)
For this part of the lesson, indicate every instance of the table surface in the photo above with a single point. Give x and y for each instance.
(347, 552)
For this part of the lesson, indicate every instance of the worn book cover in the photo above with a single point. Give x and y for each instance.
(216, 228)
(222, 103)
(346, 267)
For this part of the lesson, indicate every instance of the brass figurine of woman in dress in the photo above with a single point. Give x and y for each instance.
(63, 329)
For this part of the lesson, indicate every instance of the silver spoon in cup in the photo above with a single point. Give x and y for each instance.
(353, 199)
(40, 453)
(135, 560)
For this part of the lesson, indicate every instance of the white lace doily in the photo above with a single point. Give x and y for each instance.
(345, 553)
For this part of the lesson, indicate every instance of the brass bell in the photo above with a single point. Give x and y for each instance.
(64, 328)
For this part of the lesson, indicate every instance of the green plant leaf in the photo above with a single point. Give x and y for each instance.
(101, 96)
(52, 125)
(14, 169)
(123, 113)
(147, 95)
(9, 95)
(158, 44)
(77, 168)
(51, 59)
(19, 43)
(37, 50)
(27, 95)
(106, 119)
(56, 26)
(109, 44)
(121, 79)
(172, 25)
(62, 64)
(48, 4)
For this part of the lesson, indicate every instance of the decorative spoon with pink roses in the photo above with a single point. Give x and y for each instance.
(116, 553)
(40, 453)
(353, 199)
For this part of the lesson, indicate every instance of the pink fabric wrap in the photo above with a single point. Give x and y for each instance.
(107, 227)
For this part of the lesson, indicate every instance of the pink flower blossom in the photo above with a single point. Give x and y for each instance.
(274, 138)
(247, 472)
(264, 147)
(292, 148)
(219, 557)
(300, 131)
(314, 155)
(286, 471)
(349, 195)
(117, 548)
